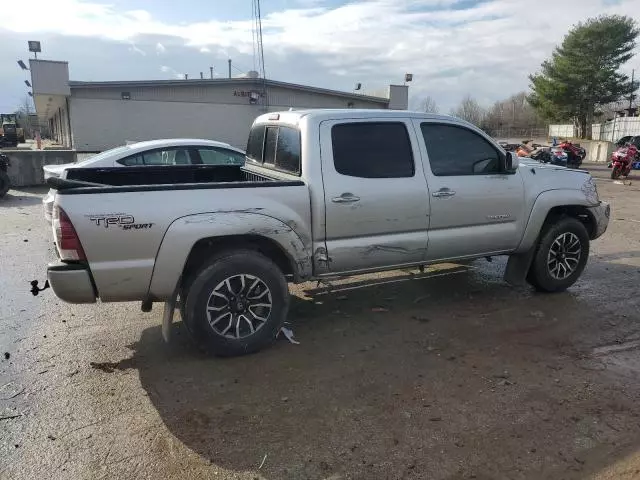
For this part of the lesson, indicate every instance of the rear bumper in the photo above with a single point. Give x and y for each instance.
(601, 214)
(71, 282)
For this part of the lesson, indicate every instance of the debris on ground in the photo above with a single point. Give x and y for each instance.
(288, 333)
(421, 319)
(264, 459)
(7, 355)
(379, 309)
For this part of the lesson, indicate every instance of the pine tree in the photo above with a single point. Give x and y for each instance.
(584, 72)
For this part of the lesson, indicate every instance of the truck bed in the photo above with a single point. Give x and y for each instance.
(165, 175)
(132, 221)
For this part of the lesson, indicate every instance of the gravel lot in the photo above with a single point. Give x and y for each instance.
(451, 374)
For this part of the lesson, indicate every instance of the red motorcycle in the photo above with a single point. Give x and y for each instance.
(575, 153)
(622, 161)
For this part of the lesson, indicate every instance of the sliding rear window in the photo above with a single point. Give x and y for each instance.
(276, 147)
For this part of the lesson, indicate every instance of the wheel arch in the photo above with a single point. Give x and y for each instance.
(554, 204)
(191, 239)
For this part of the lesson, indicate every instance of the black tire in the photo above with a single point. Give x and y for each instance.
(4, 183)
(200, 298)
(540, 275)
(615, 173)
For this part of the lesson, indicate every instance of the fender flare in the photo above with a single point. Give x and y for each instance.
(184, 232)
(520, 261)
(542, 206)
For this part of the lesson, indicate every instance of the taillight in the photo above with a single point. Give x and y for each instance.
(69, 245)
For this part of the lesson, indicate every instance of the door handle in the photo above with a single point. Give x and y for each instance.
(443, 192)
(346, 198)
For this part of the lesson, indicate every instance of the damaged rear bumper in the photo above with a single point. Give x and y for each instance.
(71, 282)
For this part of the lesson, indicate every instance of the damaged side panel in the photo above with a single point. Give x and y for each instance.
(186, 231)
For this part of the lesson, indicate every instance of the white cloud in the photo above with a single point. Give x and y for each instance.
(160, 49)
(486, 50)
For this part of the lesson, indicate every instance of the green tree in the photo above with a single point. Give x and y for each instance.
(583, 73)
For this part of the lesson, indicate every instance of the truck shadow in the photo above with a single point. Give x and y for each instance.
(448, 377)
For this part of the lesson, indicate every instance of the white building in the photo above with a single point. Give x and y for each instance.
(94, 116)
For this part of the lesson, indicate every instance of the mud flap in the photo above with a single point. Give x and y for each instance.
(518, 267)
(167, 316)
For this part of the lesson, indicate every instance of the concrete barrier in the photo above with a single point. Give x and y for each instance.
(26, 165)
(597, 151)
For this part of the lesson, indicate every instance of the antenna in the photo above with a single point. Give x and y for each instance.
(259, 51)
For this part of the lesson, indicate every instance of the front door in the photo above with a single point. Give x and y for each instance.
(476, 207)
(376, 198)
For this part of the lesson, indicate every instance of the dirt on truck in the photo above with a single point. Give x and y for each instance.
(324, 194)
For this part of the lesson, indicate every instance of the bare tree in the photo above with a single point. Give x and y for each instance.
(24, 115)
(514, 116)
(429, 105)
(470, 110)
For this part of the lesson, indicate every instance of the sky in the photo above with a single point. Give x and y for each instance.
(485, 48)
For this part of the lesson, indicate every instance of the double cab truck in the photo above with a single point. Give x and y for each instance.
(323, 193)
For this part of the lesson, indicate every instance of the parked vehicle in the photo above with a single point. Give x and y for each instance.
(173, 151)
(5, 183)
(635, 140)
(553, 155)
(9, 134)
(323, 194)
(622, 161)
(575, 154)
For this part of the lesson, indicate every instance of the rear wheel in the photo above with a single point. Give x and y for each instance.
(4, 183)
(236, 304)
(561, 255)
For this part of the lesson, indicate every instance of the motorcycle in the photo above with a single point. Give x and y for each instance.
(553, 155)
(622, 161)
(4, 177)
(575, 154)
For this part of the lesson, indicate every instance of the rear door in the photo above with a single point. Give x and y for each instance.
(376, 198)
(476, 207)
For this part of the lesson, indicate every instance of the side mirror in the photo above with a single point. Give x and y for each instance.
(511, 162)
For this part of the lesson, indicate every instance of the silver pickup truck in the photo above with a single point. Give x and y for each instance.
(323, 193)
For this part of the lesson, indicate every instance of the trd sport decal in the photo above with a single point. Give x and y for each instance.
(121, 220)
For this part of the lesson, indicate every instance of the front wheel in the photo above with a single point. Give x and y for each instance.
(615, 173)
(561, 255)
(4, 183)
(237, 303)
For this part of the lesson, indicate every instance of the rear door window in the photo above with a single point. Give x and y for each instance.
(220, 156)
(372, 150)
(167, 156)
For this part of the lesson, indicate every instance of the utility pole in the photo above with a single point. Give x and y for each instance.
(229, 68)
(631, 95)
(211, 70)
